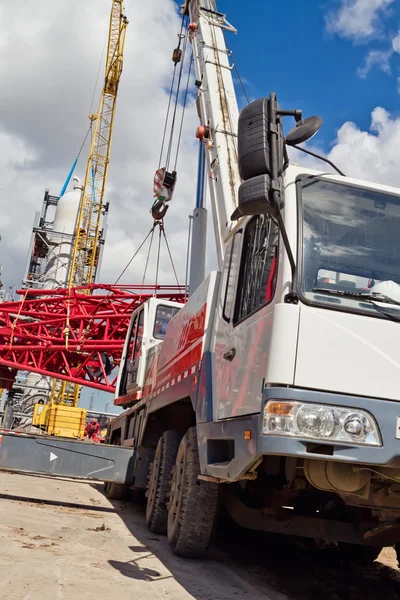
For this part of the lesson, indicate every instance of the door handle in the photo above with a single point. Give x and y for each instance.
(230, 355)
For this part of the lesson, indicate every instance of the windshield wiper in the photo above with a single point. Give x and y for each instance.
(358, 295)
(371, 299)
(384, 312)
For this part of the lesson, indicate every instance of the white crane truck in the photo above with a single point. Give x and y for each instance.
(275, 389)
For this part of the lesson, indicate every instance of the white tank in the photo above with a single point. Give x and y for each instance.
(56, 271)
(67, 209)
(39, 387)
(36, 392)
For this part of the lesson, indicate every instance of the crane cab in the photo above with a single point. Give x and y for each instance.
(147, 329)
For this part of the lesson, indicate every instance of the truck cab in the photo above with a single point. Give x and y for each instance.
(330, 335)
(143, 342)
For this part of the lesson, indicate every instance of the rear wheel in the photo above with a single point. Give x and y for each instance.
(160, 481)
(115, 491)
(193, 504)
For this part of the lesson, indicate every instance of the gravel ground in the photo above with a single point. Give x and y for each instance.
(63, 540)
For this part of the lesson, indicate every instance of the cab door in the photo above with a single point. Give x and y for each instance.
(136, 364)
(245, 319)
(224, 351)
(122, 382)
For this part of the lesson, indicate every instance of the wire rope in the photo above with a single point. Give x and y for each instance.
(183, 112)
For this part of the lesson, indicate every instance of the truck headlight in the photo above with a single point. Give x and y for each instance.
(320, 422)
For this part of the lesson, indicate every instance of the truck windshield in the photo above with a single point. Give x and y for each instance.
(350, 242)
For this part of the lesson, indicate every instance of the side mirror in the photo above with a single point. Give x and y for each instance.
(258, 159)
(255, 198)
(262, 154)
(254, 147)
(303, 131)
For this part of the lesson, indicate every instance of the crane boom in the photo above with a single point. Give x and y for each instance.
(218, 111)
(32, 339)
(88, 236)
(89, 231)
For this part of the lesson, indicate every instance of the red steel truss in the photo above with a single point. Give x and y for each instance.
(71, 335)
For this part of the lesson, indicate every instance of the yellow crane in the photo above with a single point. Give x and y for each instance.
(87, 239)
(62, 416)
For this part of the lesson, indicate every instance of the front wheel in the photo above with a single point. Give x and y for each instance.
(193, 504)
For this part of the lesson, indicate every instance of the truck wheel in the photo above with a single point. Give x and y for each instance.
(115, 491)
(193, 504)
(160, 481)
(359, 555)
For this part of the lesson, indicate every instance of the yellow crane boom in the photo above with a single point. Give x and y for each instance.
(88, 233)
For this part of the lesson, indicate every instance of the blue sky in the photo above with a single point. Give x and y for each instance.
(312, 55)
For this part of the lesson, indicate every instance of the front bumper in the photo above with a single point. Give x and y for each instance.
(385, 413)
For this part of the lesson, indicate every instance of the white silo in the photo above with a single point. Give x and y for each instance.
(61, 238)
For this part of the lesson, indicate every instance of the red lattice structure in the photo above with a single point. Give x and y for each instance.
(70, 334)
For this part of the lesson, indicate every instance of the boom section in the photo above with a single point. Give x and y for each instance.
(218, 112)
(92, 210)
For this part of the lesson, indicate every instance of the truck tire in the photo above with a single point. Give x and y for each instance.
(359, 555)
(193, 504)
(115, 491)
(160, 481)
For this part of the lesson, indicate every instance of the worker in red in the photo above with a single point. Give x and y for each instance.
(92, 430)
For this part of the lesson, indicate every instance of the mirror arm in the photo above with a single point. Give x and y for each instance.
(276, 192)
(320, 158)
(286, 243)
(297, 114)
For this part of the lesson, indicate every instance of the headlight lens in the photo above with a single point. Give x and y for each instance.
(320, 422)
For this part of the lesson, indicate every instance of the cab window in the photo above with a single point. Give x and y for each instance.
(137, 351)
(258, 266)
(163, 316)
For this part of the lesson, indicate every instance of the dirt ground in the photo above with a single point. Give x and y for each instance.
(63, 540)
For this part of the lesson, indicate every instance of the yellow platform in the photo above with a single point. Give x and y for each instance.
(59, 420)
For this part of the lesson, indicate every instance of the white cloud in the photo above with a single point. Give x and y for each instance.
(380, 59)
(362, 20)
(376, 58)
(370, 155)
(396, 43)
(357, 19)
(52, 60)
